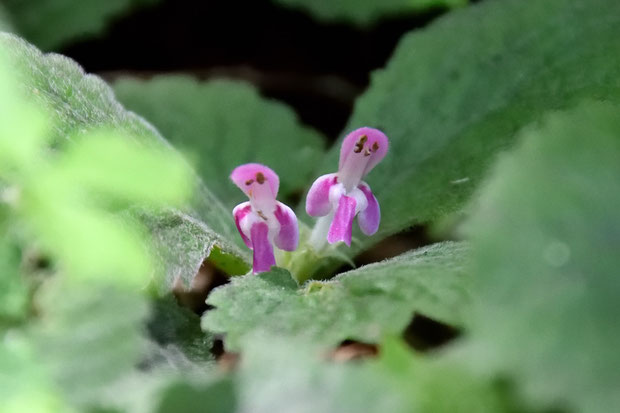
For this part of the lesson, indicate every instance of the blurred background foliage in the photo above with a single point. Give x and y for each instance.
(498, 291)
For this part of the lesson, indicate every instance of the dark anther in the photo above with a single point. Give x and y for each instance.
(359, 145)
(249, 182)
(260, 178)
(260, 214)
(375, 147)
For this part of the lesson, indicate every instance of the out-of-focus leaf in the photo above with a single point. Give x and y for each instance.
(363, 304)
(455, 94)
(223, 124)
(215, 396)
(90, 337)
(546, 235)
(52, 23)
(24, 384)
(364, 12)
(13, 289)
(78, 104)
(285, 376)
(5, 24)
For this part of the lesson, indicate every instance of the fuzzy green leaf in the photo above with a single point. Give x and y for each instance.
(546, 242)
(222, 124)
(455, 94)
(78, 104)
(363, 304)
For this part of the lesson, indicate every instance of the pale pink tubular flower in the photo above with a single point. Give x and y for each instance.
(339, 197)
(263, 221)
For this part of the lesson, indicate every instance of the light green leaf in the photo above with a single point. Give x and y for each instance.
(223, 124)
(365, 12)
(90, 337)
(285, 376)
(24, 384)
(78, 104)
(364, 304)
(546, 236)
(454, 95)
(52, 23)
(14, 294)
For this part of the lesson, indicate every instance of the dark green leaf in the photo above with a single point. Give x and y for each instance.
(216, 396)
(177, 338)
(223, 124)
(455, 94)
(364, 12)
(52, 23)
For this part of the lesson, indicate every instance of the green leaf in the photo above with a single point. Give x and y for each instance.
(24, 385)
(176, 338)
(365, 12)
(546, 236)
(5, 25)
(52, 23)
(216, 396)
(90, 337)
(364, 304)
(182, 243)
(78, 104)
(223, 124)
(285, 376)
(455, 94)
(14, 294)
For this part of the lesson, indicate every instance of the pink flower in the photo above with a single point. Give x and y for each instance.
(263, 221)
(339, 197)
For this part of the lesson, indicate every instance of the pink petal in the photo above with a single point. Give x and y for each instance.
(251, 177)
(239, 213)
(342, 224)
(317, 201)
(369, 218)
(288, 237)
(361, 150)
(263, 250)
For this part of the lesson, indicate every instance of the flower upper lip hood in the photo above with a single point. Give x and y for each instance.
(339, 197)
(263, 221)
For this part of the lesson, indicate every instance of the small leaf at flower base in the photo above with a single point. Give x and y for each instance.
(363, 304)
(222, 124)
(454, 95)
(545, 238)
